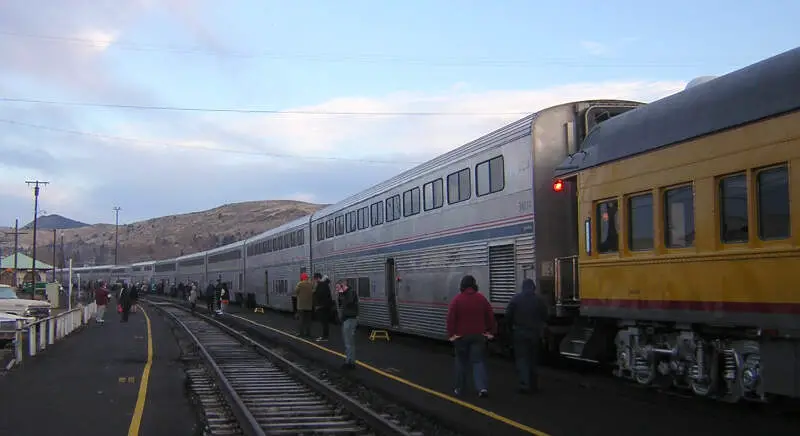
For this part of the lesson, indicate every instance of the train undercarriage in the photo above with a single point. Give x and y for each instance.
(715, 366)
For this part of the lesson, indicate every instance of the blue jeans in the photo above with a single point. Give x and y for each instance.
(526, 354)
(470, 351)
(349, 336)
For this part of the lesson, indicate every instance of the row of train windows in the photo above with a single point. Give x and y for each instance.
(193, 262)
(287, 240)
(360, 285)
(167, 267)
(280, 287)
(489, 179)
(772, 213)
(228, 255)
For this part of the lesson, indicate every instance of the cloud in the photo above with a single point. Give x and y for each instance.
(595, 48)
(181, 163)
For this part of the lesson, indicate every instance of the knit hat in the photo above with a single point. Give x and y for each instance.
(303, 277)
(468, 282)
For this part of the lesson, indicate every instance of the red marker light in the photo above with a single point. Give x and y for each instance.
(558, 185)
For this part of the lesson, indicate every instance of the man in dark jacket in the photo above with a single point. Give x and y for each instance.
(348, 314)
(323, 303)
(470, 322)
(210, 291)
(526, 315)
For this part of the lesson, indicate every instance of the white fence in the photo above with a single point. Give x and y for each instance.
(47, 331)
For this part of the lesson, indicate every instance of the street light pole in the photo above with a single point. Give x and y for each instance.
(116, 235)
(35, 184)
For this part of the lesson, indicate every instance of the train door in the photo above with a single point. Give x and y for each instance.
(391, 291)
(266, 287)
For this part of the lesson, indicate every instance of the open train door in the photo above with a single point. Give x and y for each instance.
(391, 291)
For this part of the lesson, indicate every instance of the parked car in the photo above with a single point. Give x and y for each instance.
(8, 327)
(11, 303)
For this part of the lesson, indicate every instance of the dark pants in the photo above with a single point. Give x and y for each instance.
(193, 305)
(305, 323)
(210, 305)
(324, 317)
(526, 355)
(470, 351)
(126, 309)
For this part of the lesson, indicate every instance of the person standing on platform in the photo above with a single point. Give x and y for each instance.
(125, 302)
(348, 314)
(304, 292)
(101, 298)
(134, 296)
(470, 322)
(210, 298)
(323, 304)
(193, 298)
(526, 315)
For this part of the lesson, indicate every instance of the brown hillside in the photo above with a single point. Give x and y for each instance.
(162, 238)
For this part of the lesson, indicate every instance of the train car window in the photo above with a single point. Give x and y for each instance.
(411, 202)
(679, 217)
(433, 195)
(774, 218)
(270, 246)
(287, 242)
(733, 224)
(363, 218)
(301, 237)
(293, 239)
(640, 222)
(607, 226)
(329, 228)
(363, 287)
(320, 232)
(459, 186)
(339, 220)
(489, 176)
(377, 214)
(393, 208)
(350, 224)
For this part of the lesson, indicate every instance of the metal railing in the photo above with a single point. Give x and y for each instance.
(47, 331)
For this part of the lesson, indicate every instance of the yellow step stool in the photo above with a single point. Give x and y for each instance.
(258, 310)
(379, 334)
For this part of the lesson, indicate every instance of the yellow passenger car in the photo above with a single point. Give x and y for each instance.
(688, 211)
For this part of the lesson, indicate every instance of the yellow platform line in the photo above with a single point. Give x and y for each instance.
(474, 408)
(138, 411)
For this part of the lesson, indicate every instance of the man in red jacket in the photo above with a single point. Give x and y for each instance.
(470, 322)
(101, 298)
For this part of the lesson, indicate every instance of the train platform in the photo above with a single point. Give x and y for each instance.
(418, 372)
(113, 378)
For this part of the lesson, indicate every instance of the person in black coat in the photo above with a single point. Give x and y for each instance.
(323, 304)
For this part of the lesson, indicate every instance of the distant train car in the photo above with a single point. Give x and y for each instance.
(405, 244)
(142, 272)
(688, 211)
(275, 260)
(164, 272)
(226, 265)
(121, 273)
(192, 268)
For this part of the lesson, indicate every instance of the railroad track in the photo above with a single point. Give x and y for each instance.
(246, 388)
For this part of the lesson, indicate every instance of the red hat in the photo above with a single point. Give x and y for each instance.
(303, 277)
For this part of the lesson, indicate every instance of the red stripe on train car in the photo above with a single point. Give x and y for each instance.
(706, 306)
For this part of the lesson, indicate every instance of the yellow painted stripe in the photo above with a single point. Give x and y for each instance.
(409, 383)
(138, 411)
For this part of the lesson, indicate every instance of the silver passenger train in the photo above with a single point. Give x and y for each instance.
(486, 208)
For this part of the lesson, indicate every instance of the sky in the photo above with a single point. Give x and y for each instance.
(494, 61)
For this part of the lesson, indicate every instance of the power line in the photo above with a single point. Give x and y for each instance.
(336, 58)
(201, 147)
(253, 111)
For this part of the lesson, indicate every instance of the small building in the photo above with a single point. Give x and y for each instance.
(24, 270)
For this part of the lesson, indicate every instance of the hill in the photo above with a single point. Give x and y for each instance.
(49, 222)
(165, 237)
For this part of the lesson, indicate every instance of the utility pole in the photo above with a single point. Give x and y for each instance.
(16, 249)
(54, 254)
(116, 235)
(63, 261)
(35, 184)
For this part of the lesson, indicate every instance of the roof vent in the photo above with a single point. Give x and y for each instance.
(699, 81)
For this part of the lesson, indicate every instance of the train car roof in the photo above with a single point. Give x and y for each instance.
(147, 262)
(764, 89)
(297, 222)
(190, 256)
(229, 247)
(472, 147)
(163, 261)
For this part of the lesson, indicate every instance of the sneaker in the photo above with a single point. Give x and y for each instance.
(321, 339)
(483, 393)
(456, 392)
